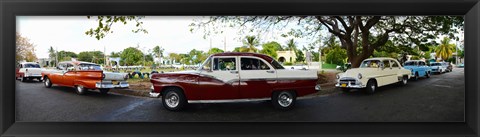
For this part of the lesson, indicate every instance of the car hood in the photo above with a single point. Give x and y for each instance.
(355, 71)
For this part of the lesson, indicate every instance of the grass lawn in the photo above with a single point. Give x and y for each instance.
(329, 66)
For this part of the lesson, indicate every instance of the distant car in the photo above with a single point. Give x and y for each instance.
(448, 65)
(28, 71)
(460, 65)
(418, 68)
(438, 67)
(373, 73)
(83, 76)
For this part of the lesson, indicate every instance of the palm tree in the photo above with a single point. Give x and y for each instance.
(291, 45)
(51, 55)
(250, 42)
(445, 49)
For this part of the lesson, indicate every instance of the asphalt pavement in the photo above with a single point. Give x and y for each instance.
(440, 98)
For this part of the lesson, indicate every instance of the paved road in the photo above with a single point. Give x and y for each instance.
(439, 98)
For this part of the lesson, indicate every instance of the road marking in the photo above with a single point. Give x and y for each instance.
(443, 86)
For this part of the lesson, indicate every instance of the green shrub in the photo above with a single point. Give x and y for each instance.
(287, 63)
(336, 56)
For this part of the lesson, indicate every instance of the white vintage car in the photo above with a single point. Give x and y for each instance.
(373, 73)
(28, 71)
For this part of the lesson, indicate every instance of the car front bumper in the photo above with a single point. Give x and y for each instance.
(110, 84)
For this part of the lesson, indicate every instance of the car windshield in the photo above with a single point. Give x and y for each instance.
(86, 66)
(31, 66)
(370, 64)
(410, 63)
(206, 64)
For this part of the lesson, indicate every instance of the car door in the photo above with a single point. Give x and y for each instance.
(56, 76)
(221, 80)
(69, 75)
(385, 74)
(257, 77)
(396, 70)
(423, 68)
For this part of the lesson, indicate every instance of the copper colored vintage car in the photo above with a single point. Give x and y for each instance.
(83, 76)
(235, 77)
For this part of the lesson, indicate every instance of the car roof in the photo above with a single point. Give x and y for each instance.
(263, 56)
(380, 58)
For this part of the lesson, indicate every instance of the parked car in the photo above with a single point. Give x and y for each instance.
(373, 73)
(438, 67)
(28, 71)
(460, 65)
(418, 69)
(300, 67)
(235, 77)
(448, 66)
(83, 76)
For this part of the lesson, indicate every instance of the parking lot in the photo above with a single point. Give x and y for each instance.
(436, 99)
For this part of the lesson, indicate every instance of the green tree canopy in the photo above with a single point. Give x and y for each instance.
(359, 35)
(91, 56)
(131, 56)
(250, 43)
(271, 49)
(214, 51)
(336, 56)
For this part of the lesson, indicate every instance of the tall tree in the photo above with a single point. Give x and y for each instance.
(105, 25)
(175, 57)
(158, 51)
(359, 35)
(291, 45)
(445, 49)
(25, 50)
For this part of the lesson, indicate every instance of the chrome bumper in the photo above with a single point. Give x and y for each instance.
(318, 87)
(153, 94)
(122, 84)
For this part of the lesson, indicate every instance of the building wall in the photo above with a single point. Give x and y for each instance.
(287, 55)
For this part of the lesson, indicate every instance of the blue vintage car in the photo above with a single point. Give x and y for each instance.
(418, 68)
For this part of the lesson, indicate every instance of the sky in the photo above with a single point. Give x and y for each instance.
(170, 32)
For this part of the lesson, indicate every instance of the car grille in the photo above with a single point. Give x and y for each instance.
(347, 80)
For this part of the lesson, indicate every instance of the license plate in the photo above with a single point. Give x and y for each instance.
(344, 85)
(115, 82)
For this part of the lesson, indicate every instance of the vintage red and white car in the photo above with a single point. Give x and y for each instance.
(235, 77)
(83, 76)
(28, 71)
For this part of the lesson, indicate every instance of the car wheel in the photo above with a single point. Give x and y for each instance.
(345, 90)
(104, 90)
(428, 74)
(47, 82)
(284, 100)
(416, 76)
(404, 80)
(80, 90)
(371, 86)
(174, 99)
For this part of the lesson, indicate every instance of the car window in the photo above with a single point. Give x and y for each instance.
(386, 63)
(422, 63)
(409, 63)
(370, 64)
(88, 66)
(395, 64)
(276, 65)
(31, 66)
(61, 66)
(253, 64)
(224, 64)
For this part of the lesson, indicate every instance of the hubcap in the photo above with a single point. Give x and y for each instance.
(284, 99)
(79, 89)
(172, 100)
(47, 81)
(373, 87)
(404, 81)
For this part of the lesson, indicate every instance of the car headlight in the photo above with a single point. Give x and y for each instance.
(359, 76)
